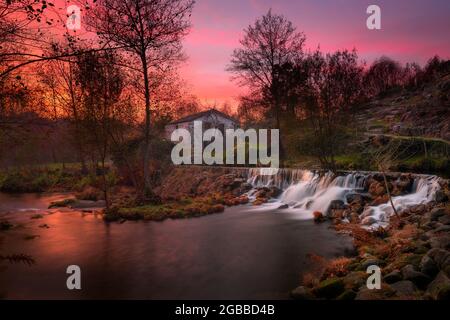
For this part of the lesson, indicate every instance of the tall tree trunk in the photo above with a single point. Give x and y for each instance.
(389, 193)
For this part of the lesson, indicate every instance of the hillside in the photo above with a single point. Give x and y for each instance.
(423, 112)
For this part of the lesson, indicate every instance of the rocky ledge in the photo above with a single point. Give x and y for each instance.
(412, 252)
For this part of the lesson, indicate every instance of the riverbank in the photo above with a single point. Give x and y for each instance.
(412, 252)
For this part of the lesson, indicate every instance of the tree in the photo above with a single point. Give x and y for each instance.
(383, 74)
(102, 84)
(150, 31)
(333, 87)
(271, 42)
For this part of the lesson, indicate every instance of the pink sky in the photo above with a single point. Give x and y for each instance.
(412, 30)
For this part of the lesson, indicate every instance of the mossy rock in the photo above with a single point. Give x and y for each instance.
(62, 203)
(329, 288)
(355, 279)
(414, 259)
(347, 295)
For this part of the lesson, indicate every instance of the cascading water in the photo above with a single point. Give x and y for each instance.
(306, 191)
(423, 191)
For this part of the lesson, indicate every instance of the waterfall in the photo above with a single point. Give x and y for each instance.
(306, 191)
(423, 191)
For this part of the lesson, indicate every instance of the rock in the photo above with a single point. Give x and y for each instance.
(439, 289)
(367, 221)
(329, 288)
(394, 276)
(337, 204)
(354, 198)
(259, 201)
(318, 217)
(371, 262)
(376, 189)
(418, 278)
(428, 266)
(440, 196)
(302, 293)
(347, 295)
(62, 203)
(445, 219)
(442, 242)
(404, 288)
(439, 256)
(274, 192)
(436, 213)
(418, 208)
(283, 206)
(355, 279)
(82, 204)
(365, 293)
(442, 228)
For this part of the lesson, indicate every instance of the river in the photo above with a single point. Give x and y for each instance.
(242, 253)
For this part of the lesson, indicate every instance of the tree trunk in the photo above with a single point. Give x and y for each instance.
(389, 193)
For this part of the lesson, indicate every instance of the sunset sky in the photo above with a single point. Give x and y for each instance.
(412, 30)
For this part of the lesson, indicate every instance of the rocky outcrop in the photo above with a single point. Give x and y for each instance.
(412, 253)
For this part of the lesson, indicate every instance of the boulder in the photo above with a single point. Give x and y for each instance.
(274, 192)
(404, 288)
(355, 279)
(283, 206)
(439, 289)
(440, 256)
(376, 189)
(420, 208)
(418, 278)
(354, 198)
(367, 221)
(330, 288)
(365, 293)
(436, 213)
(394, 276)
(440, 196)
(335, 205)
(318, 217)
(442, 242)
(445, 219)
(442, 228)
(428, 266)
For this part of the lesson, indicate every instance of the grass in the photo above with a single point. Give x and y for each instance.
(184, 208)
(49, 177)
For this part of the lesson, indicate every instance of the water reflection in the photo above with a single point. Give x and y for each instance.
(237, 254)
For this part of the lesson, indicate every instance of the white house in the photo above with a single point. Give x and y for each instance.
(211, 118)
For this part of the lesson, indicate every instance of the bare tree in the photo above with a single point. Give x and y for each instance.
(271, 42)
(150, 31)
(102, 85)
(333, 87)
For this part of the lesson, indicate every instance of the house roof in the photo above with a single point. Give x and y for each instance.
(197, 115)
